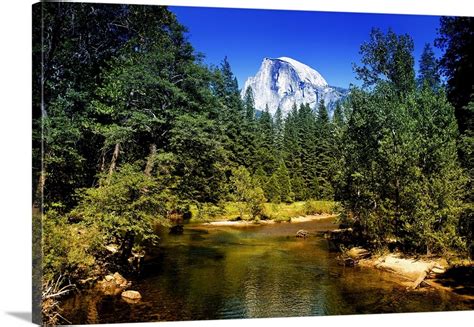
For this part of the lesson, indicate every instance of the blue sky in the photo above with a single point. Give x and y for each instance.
(328, 42)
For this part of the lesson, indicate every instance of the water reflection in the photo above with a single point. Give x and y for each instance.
(224, 272)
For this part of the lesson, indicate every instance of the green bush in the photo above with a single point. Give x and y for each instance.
(270, 211)
(208, 211)
(249, 196)
(127, 206)
(312, 207)
(68, 249)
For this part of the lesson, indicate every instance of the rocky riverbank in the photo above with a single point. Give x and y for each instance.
(117, 284)
(416, 272)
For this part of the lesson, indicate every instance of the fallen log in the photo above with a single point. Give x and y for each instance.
(357, 253)
(419, 280)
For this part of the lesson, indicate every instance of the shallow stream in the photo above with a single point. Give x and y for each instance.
(219, 272)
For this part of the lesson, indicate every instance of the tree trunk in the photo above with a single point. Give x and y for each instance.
(39, 192)
(92, 312)
(113, 162)
(150, 162)
(102, 161)
(127, 246)
(397, 199)
(38, 195)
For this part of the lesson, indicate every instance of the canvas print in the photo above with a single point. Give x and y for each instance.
(208, 163)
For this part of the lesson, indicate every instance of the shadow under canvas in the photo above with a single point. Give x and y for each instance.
(23, 315)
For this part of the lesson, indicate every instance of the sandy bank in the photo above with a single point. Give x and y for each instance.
(414, 273)
(244, 223)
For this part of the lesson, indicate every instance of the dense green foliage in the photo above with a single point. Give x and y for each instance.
(69, 249)
(429, 72)
(402, 179)
(456, 39)
(137, 132)
(126, 206)
(247, 193)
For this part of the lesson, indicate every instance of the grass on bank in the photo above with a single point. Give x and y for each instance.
(229, 211)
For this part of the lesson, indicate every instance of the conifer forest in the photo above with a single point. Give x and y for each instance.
(133, 133)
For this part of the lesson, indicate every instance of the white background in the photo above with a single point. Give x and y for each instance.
(15, 157)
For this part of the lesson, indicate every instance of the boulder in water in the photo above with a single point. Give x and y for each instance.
(113, 284)
(109, 278)
(302, 233)
(120, 280)
(131, 295)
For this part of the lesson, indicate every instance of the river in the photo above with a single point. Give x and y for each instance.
(220, 272)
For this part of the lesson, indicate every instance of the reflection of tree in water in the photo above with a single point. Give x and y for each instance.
(461, 279)
(239, 274)
(92, 313)
(282, 282)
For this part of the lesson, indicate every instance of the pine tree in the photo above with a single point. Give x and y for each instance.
(307, 130)
(68, 62)
(324, 157)
(272, 189)
(279, 131)
(428, 73)
(338, 116)
(466, 145)
(291, 154)
(232, 114)
(196, 141)
(227, 88)
(338, 127)
(283, 178)
(265, 154)
(249, 104)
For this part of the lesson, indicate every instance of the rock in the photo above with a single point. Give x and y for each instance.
(131, 295)
(120, 280)
(337, 232)
(282, 82)
(109, 278)
(112, 248)
(302, 233)
(108, 287)
(112, 284)
(410, 268)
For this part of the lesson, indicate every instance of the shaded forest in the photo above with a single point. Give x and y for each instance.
(132, 130)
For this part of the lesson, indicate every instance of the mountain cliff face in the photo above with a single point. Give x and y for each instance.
(284, 81)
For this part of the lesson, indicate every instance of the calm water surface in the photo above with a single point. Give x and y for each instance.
(214, 272)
